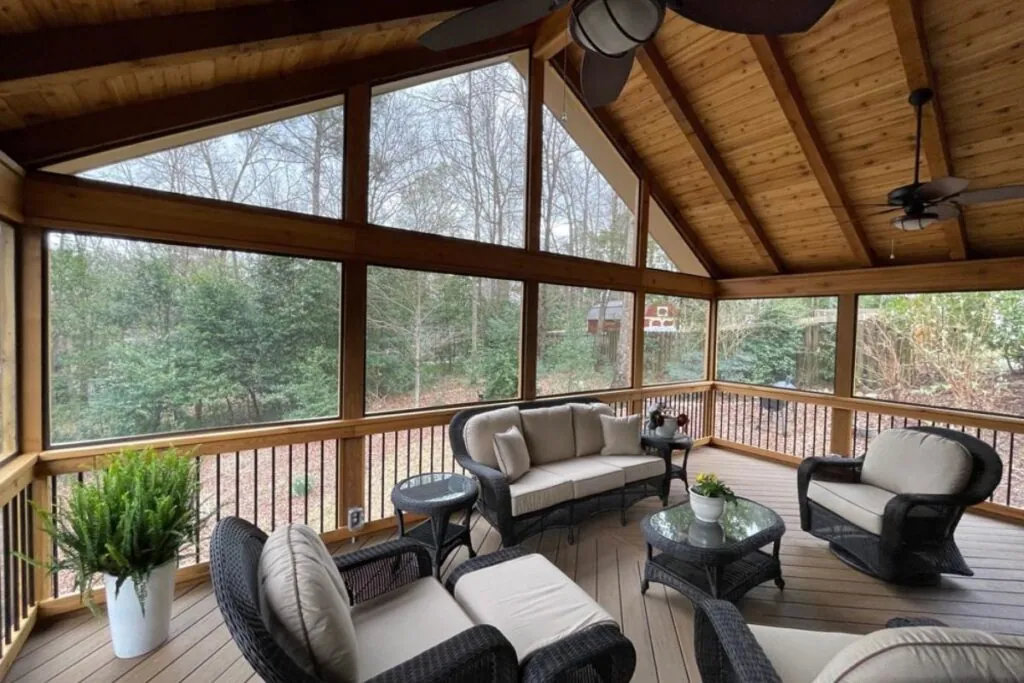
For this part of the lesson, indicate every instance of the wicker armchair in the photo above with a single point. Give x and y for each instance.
(481, 653)
(915, 543)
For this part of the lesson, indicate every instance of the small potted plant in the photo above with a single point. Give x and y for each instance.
(129, 524)
(709, 496)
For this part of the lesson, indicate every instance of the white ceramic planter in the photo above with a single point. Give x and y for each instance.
(132, 633)
(667, 430)
(706, 509)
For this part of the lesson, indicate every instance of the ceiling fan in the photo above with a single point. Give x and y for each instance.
(610, 31)
(941, 199)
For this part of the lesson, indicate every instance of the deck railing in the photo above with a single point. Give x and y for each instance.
(794, 426)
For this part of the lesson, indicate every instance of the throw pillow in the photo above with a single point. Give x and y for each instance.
(586, 424)
(621, 435)
(513, 456)
(305, 606)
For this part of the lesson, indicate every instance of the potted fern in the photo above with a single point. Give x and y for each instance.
(129, 524)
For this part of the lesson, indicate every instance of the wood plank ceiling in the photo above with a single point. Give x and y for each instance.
(768, 149)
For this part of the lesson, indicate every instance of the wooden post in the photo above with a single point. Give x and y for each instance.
(31, 356)
(643, 213)
(534, 193)
(846, 349)
(41, 543)
(357, 152)
(710, 365)
(8, 341)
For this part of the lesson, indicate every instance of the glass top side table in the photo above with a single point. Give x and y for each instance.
(438, 496)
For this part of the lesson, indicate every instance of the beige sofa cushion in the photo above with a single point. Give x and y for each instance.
(538, 489)
(401, 624)
(586, 426)
(549, 435)
(798, 655)
(905, 461)
(621, 435)
(480, 429)
(928, 654)
(530, 601)
(588, 475)
(861, 504)
(636, 467)
(305, 606)
(510, 450)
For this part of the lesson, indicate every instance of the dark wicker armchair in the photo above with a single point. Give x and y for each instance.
(481, 653)
(916, 542)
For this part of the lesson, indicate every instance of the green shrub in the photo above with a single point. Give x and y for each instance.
(136, 515)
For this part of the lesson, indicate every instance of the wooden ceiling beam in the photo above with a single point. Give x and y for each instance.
(552, 35)
(636, 163)
(913, 47)
(675, 100)
(59, 56)
(12, 182)
(52, 142)
(787, 93)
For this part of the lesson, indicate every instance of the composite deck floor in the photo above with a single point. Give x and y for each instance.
(821, 593)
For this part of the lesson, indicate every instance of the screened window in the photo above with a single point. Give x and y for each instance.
(8, 348)
(955, 350)
(434, 339)
(584, 339)
(292, 165)
(149, 338)
(787, 343)
(675, 339)
(448, 157)
(657, 258)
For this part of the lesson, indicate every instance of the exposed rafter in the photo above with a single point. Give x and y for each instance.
(906, 22)
(675, 100)
(59, 56)
(658, 194)
(787, 92)
(552, 35)
(48, 143)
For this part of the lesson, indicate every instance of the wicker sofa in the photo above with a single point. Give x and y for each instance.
(892, 513)
(407, 627)
(572, 482)
(909, 650)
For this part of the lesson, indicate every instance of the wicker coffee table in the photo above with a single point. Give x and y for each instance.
(439, 496)
(721, 560)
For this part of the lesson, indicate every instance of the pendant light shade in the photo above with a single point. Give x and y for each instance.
(914, 223)
(614, 27)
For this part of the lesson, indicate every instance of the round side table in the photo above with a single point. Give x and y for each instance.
(664, 445)
(438, 496)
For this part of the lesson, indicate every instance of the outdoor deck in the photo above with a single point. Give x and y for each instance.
(821, 593)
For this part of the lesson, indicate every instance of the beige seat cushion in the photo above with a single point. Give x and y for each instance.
(538, 489)
(928, 654)
(510, 450)
(636, 467)
(860, 504)
(588, 475)
(905, 461)
(399, 625)
(549, 435)
(621, 435)
(304, 604)
(479, 432)
(530, 601)
(586, 425)
(797, 655)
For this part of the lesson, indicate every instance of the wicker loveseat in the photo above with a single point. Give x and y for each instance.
(892, 513)
(559, 491)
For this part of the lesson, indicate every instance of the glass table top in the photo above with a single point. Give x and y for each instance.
(437, 487)
(741, 521)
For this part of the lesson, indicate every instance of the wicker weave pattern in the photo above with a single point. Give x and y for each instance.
(726, 650)
(382, 568)
(479, 654)
(903, 622)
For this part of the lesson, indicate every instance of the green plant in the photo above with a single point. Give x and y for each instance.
(301, 486)
(134, 516)
(711, 486)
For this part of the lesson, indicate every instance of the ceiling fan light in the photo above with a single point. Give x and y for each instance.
(612, 27)
(914, 223)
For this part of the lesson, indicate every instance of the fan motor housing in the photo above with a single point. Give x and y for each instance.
(904, 196)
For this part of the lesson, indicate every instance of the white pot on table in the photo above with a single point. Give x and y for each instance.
(133, 632)
(667, 430)
(706, 509)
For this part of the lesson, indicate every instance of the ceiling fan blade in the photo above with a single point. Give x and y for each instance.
(603, 78)
(886, 212)
(940, 188)
(944, 212)
(754, 16)
(995, 194)
(487, 21)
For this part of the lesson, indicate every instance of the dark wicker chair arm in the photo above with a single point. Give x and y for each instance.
(482, 562)
(494, 493)
(726, 649)
(481, 653)
(382, 568)
(903, 622)
(830, 468)
(600, 654)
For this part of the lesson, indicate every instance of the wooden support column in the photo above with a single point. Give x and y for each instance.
(643, 215)
(534, 195)
(846, 349)
(710, 365)
(31, 358)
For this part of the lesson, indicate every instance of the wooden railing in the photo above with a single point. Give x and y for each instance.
(18, 579)
(791, 426)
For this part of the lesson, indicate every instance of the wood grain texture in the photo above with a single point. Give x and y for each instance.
(552, 35)
(12, 182)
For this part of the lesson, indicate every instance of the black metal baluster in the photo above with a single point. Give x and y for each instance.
(216, 495)
(54, 550)
(238, 478)
(291, 480)
(814, 431)
(199, 494)
(305, 487)
(1009, 468)
(323, 477)
(32, 547)
(256, 486)
(273, 488)
(15, 567)
(369, 469)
